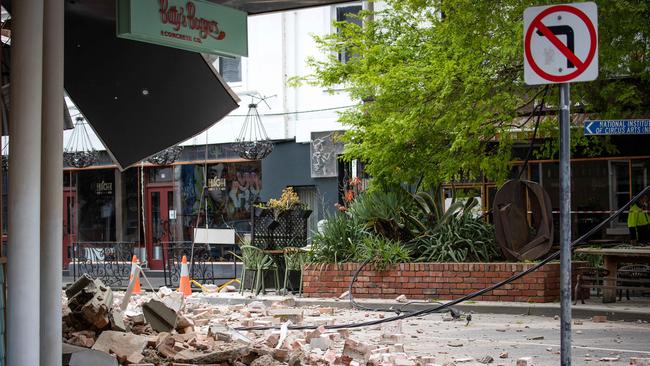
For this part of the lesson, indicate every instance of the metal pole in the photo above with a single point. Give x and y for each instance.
(565, 225)
(23, 275)
(52, 185)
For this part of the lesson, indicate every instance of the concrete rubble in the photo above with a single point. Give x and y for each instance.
(166, 329)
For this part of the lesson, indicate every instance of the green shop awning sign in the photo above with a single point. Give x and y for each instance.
(193, 25)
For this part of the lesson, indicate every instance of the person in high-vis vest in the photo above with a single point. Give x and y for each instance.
(638, 221)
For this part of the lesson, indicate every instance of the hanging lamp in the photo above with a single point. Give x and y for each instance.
(253, 143)
(167, 156)
(79, 152)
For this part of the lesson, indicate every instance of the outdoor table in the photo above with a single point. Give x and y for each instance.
(612, 256)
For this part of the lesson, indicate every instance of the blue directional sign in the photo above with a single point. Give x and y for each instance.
(618, 127)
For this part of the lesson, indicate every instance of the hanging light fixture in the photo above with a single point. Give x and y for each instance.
(79, 152)
(166, 156)
(253, 143)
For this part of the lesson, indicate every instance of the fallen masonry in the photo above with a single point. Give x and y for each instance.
(165, 329)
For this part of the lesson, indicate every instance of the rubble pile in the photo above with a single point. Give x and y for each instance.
(167, 329)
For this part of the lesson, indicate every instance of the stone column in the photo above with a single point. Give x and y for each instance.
(52, 185)
(23, 268)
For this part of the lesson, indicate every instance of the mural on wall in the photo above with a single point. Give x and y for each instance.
(324, 149)
(232, 189)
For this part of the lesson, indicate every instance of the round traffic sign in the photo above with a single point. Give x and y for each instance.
(539, 26)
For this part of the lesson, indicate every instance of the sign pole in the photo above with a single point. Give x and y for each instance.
(565, 225)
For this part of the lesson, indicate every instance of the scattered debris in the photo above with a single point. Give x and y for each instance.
(486, 359)
(636, 361)
(90, 303)
(599, 318)
(503, 355)
(610, 359)
(535, 338)
(91, 357)
(161, 317)
(525, 361)
(401, 298)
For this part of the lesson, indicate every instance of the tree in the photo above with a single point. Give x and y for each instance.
(440, 84)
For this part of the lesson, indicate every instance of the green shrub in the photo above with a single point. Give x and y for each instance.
(461, 239)
(388, 227)
(381, 251)
(382, 213)
(337, 243)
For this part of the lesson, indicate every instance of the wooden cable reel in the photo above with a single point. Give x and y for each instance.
(523, 220)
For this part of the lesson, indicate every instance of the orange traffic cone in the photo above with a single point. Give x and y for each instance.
(185, 287)
(136, 287)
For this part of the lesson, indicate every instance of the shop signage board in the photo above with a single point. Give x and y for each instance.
(560, 43)
(617, 127)
(193, 25)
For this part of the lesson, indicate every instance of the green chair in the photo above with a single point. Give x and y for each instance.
(254, 259)
(294, 260)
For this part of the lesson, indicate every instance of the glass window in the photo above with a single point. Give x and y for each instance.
(347, 14)
(130, 204)
(640, 170)
(230, 69)
(96, 203)
(619, 191)
(232, 189)
(161, 174)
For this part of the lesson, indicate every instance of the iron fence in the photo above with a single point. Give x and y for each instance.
(108, 261)
(210, 264)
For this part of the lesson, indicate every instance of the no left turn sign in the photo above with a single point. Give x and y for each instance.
(561, 43)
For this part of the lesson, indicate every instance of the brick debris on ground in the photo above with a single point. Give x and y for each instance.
(177, 331)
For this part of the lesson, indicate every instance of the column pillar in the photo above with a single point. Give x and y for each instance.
(23, 268)
(52, 186)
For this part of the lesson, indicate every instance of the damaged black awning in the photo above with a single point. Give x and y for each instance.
(139, 98)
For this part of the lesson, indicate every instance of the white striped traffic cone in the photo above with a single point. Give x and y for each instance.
(185, 288)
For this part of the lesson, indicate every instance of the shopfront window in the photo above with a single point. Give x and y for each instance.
(129, 198)
(96, 205)
(231, 191)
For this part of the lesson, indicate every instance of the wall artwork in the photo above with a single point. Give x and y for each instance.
(325, 147)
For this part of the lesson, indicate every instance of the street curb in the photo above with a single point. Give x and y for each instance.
(476, 307)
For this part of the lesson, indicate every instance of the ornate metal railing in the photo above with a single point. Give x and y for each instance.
(210, 264)
(108, 261)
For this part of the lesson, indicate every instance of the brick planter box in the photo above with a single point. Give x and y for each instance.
(443, 281)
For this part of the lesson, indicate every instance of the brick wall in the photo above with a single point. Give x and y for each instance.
(443, 281)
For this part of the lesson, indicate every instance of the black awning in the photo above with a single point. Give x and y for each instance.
(139, 98)
(253, 7)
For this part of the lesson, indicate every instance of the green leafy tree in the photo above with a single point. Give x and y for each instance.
(441, 81)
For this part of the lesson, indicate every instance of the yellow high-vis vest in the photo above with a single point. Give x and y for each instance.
(637, 217)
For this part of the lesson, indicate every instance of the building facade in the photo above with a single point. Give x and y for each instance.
(209, 184)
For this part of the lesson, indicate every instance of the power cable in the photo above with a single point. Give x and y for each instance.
(470, 296)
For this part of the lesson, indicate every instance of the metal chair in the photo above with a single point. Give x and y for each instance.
(631, 276)
(588, 278)
(254, 259)
(294, 260)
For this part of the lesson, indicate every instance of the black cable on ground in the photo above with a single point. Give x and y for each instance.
(470, 296)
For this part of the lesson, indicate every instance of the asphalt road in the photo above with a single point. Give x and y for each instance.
(517, 335)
